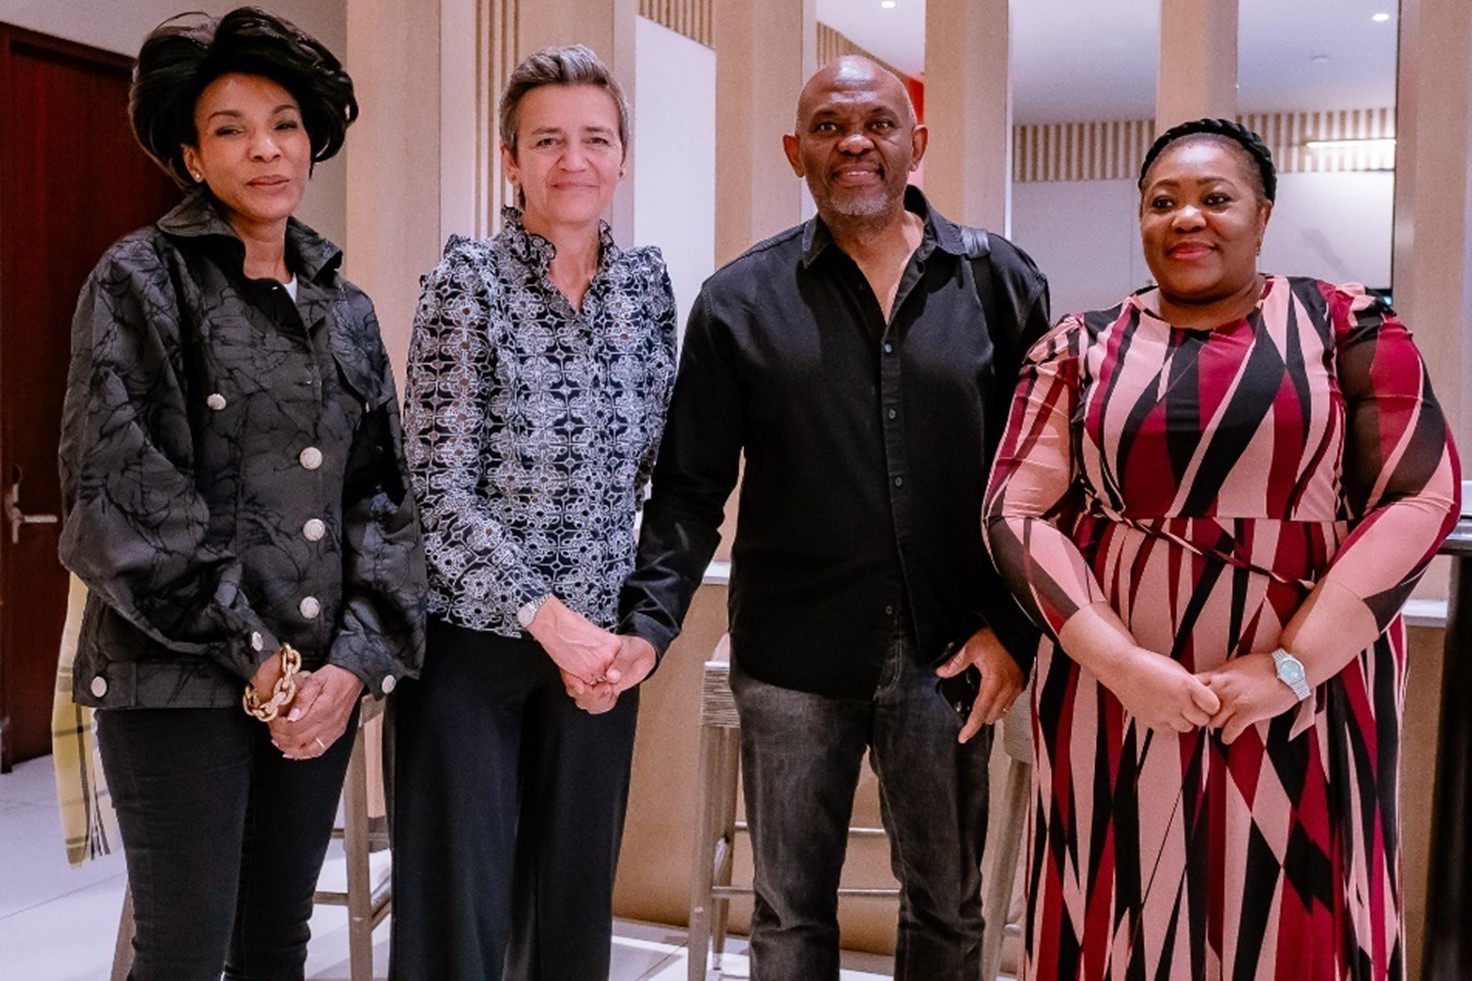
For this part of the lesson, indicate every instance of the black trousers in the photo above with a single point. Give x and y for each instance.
(508, 812)
(224, 838)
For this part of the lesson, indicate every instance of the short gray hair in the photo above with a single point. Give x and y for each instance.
(573, 64)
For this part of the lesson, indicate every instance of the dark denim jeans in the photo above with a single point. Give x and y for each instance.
(223, 837)
(800, 758)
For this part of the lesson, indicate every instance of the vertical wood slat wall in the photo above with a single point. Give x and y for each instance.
(1112, 150)
(835, 44)
(692, 18)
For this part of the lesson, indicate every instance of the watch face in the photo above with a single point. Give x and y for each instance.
(527, 613)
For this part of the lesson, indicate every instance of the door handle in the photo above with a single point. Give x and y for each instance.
(18, 517)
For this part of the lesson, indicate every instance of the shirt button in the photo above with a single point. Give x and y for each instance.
(309, 607)
(891, 413)
(899, 481)
(313, 530)
(215, 401)
(99, 686)
(888, 610)
(310, 458)
(389, 684)
(888, 348)
(256, 640)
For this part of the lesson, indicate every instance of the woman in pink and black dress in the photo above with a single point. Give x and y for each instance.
(1215, 497)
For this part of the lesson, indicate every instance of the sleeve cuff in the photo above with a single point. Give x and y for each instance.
(658, 636)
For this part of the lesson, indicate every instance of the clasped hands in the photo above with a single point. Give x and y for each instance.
(317, 714)
(1161, 694)
(596, 666)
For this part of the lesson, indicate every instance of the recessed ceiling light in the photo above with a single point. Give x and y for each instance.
(1319, 59)
(887, 4)
(1377, 18)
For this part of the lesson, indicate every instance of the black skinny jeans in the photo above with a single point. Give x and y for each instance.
(223, 837)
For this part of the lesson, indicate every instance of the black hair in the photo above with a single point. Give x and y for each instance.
(184, 54)
(1224, 129)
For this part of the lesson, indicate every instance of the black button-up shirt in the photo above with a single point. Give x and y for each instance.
(866, 443)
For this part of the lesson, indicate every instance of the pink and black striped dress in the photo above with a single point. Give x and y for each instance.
(1201, 482)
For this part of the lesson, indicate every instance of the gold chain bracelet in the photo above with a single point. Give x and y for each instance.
(282, 694)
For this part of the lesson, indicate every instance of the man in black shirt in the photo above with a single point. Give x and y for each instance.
(863, 363)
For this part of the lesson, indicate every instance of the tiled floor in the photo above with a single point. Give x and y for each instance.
(59, 924)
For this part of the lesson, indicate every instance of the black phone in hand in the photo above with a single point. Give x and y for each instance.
(960, 691)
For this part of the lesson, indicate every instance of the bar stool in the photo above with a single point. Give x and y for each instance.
(1005, 825)
(711, 888)
(361, 833)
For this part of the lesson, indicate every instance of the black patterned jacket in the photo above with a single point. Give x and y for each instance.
(232, 472)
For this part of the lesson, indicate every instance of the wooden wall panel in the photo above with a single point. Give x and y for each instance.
(1113, 149)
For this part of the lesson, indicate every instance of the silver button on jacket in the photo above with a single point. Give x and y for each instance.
(190, 434)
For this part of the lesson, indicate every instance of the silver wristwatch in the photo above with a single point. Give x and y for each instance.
(1291, 673)
(528, 611)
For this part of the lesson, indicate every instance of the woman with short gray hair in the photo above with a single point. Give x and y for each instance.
(539, 375)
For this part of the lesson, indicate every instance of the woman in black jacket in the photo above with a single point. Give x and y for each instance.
(236, 504)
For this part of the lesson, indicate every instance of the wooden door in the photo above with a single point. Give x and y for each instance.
(72, 181)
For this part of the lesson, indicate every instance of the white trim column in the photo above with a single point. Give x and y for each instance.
(1431, 260)
(1198, 61)
(414, 157)
(968, 109)
(1431, 279)
(765, 52)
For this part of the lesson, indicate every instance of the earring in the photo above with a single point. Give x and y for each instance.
(196, 175)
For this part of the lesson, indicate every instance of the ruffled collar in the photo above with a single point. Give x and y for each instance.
(535, 252)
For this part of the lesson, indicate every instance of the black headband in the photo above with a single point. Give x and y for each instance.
(1233, 131)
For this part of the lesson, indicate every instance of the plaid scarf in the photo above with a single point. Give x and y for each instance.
(87, 819)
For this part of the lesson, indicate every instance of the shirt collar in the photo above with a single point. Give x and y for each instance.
(309, 254)
(940, 233)
(536, 253)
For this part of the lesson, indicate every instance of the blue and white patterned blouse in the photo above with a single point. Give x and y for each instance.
(532, 427)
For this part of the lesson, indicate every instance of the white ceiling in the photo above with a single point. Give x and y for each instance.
(1076, 60)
